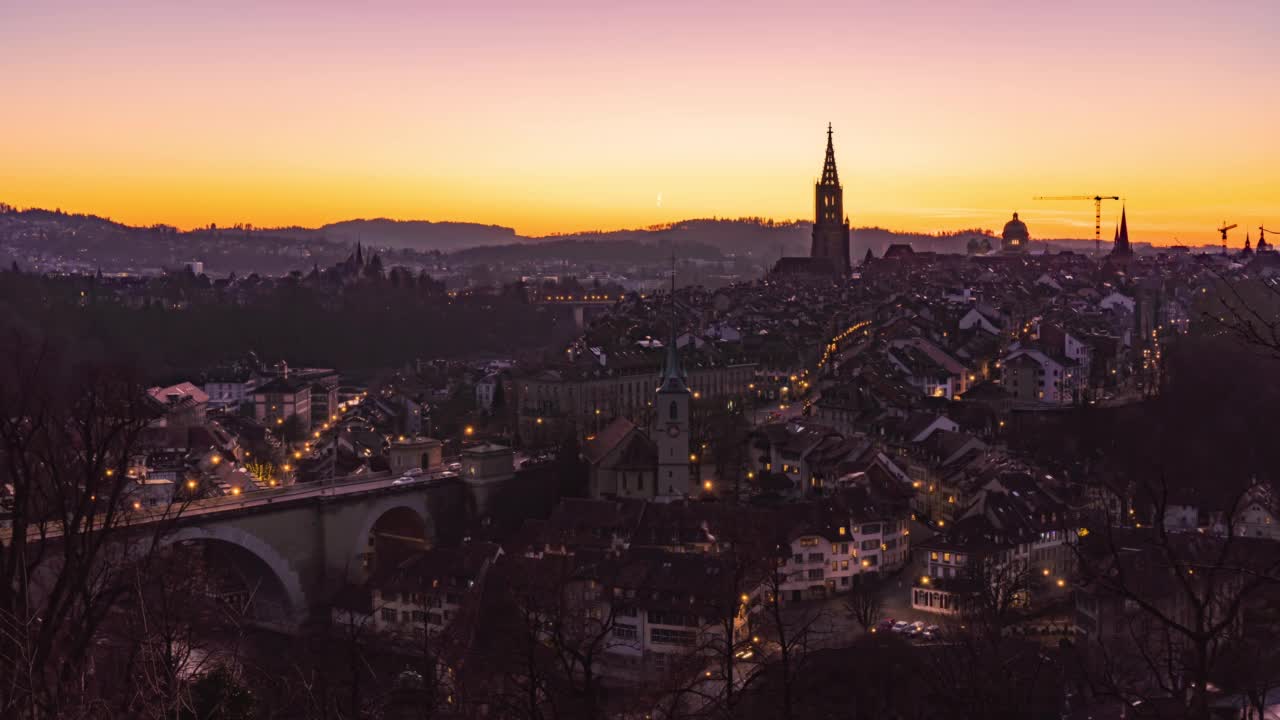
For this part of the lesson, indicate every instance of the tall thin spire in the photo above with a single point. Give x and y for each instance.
(673, 377)
(829, 174)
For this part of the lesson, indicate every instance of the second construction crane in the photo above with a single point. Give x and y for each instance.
(1224, 230)
(1097, 213)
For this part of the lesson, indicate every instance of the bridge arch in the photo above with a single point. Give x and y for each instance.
(287, 582)
(398, 516)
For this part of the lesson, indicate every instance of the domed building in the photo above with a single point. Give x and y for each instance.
(1015, 237)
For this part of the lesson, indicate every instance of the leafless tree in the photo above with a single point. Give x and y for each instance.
(1179, 595)
(864, 602)
(68, 426)
(1247, 308)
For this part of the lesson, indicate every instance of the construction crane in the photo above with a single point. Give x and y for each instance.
(1097, 213)
(1225, 227)
(1262, 234)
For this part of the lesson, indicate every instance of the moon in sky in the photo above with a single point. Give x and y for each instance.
(659, 199)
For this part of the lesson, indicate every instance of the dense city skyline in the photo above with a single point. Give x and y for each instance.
(567, 117)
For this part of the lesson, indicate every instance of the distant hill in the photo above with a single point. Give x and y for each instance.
(420, 235)
(53, 240)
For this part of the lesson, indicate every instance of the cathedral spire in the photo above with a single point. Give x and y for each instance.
(829, 175)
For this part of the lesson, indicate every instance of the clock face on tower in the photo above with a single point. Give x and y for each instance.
(673, 430)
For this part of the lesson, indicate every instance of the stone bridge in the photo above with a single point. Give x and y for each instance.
(298, 546)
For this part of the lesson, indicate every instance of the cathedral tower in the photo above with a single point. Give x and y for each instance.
(830, 225)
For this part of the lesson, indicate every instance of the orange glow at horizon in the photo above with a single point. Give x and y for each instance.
(571, 117)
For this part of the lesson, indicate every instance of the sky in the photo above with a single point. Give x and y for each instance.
(564, 116)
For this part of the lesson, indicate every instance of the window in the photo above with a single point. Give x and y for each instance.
(816, 574)
(625, 632)
(663, 636)
(816, 557)
(844, 564)
(933, 556)
(674, 411)
(797, 558)
(870, 545)
(419, 616)
(844, 548)
(388, 615)
(946, 557)
(835, 566)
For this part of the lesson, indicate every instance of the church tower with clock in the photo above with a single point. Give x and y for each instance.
(671, 421)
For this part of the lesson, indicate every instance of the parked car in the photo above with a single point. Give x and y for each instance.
(901, 626)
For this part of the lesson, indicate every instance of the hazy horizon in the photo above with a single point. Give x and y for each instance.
(567, 116)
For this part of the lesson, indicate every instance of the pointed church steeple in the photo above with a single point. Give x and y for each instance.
(829, 175)
(1122, 236)
(673, 376)
(359, 255)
